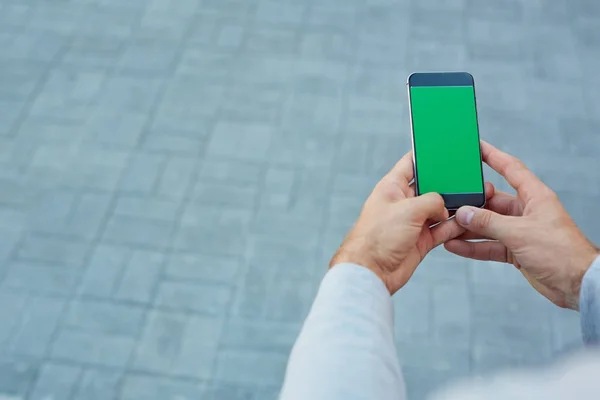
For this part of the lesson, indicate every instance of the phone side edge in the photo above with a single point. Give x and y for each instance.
(412, 136)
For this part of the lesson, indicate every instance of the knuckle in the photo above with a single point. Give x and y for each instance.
(435, 200)
(439, 200)
(484, 219)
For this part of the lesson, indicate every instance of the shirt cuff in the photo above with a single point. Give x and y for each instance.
(348, 284)
(589, 304)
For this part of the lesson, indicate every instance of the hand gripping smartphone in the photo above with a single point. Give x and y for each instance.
(445, 137)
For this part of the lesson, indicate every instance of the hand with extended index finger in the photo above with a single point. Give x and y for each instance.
(393, 233)
(531, 230)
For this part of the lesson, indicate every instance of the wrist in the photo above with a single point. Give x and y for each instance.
(354, 255)
(582, 264)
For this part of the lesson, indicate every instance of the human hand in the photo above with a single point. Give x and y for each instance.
(393, 233)
(532, 231)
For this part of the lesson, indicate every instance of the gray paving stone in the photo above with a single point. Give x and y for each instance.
(251, 103)
(198, 62)
(192, 266)
(38, 322)
(103, 317)
(9, 115)
(207, 158)
(246, 142)
(16, 377)
(241, 333)
(94, 348)
(55, 382)
(251, 367)
(173, 141)
(414, 304)
(32, 46)
(68, 94)
(91, 51)
(290, 300)
(146, 58)
(149, 208)
(209, 299)
(221, 390)
(52, 250)
(19, 79)
(98, 385)
(138, 231)
(273, 12)
(136, 387)
(326, 43)
(142, 173)
(132, 93)
(140, 276)
(195, 234)
(113, 128)
(43, 279)
(262, 39)
(104, 270)
(71, 213)
(178, 345)
(236, 173)
(177, 177)
(13, 304)
(181, 101)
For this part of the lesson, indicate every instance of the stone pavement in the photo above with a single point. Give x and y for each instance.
(174, 176)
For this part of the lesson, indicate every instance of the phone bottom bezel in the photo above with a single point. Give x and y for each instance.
(456, 200)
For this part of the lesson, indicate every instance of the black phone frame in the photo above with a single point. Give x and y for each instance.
(452, 201)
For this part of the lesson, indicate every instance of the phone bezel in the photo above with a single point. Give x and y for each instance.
(452, 201)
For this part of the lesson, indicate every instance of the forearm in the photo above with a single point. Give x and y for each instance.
(589, 304)
(346, 348)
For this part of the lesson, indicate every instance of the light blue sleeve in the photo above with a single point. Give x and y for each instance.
(346, 347)
(589, 304)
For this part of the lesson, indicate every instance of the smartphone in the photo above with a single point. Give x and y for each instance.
(445, 137)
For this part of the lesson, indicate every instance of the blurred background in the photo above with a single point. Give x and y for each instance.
(175, 175)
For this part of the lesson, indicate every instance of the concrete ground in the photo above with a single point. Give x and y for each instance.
(174, 176)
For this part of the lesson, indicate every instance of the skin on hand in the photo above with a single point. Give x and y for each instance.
(393, 234)
(531, 230)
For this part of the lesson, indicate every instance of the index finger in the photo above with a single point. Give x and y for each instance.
(403, 170)
(513, 170)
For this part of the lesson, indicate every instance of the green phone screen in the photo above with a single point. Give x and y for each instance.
(446, 139)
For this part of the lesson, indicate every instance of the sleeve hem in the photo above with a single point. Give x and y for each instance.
(589, 304)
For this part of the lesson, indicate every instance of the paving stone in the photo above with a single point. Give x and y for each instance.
(140, 277)
(192, 266)
(138, 231)
(104, 271)
(246, 142)
(99, 349)
(52, 250)
(251, 367)
(103, 317)
(38, 322)
(178, 345)
(14, 303)
(40, 278)
(17, 377)
(142, 173)
(175, 176)
(98, 385)
(149, 208)
(56, 382)
(136, 387)
(210, 299)
(131, 93)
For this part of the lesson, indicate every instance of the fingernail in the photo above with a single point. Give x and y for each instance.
(464, 215)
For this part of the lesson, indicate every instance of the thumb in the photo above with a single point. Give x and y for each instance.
(484, 222)
(429, 206)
